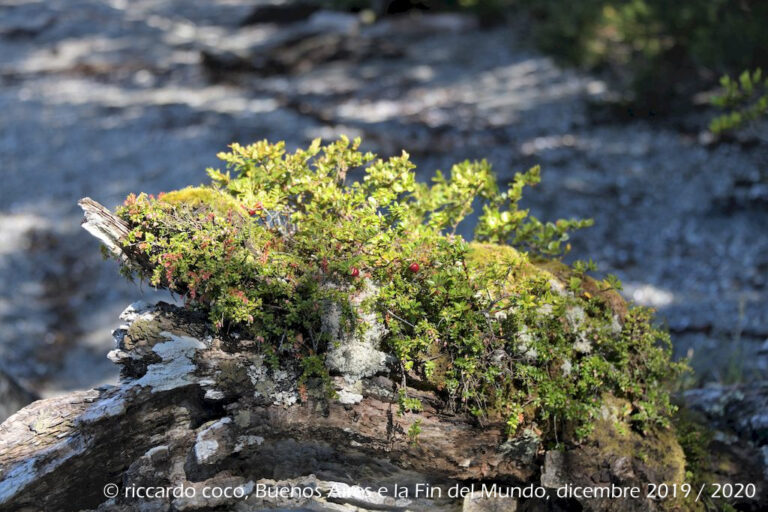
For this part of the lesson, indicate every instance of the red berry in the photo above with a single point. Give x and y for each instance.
(414, 267)
(251, 212)
(354, 272)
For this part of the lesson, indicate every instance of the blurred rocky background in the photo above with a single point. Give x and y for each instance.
(102, 98)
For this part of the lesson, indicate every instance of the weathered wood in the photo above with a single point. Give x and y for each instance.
(192, 409)
(104, 225)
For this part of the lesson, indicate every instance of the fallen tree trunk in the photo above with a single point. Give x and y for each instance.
(206, 423)
(195, 410)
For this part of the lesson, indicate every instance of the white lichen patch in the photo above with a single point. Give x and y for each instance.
(348, 393)
(582, 345)
(575, 316)
(277, 389)
(545, 310)
(285, 398)
(558, 288)
(499, 355)
(210, 441)
(524, 345)
(177, 366)
(257, 373)
(355, 355)
(616, 326)
(243, 418)
(139, 310)
(355, 359)
(566, 367)
(349, 397)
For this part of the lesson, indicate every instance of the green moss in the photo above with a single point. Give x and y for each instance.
(202, 197)
(232, 374)
(489, 326)
(143, 331)
(705, 461)
(657, 457)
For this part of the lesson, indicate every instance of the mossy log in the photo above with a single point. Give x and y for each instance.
(197, 409)
(193, 409)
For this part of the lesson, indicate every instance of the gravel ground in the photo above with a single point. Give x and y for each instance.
(103, 98)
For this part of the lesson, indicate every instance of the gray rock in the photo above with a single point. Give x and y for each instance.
(554, 473)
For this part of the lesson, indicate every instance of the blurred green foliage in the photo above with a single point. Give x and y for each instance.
(658, 49)
(744, 100)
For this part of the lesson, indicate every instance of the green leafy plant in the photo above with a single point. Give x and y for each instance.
(745, 100)
(503, 222)
(413, 432)
(406, 403)
(278, 236)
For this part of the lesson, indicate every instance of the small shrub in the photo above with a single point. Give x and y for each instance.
(277, 235)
